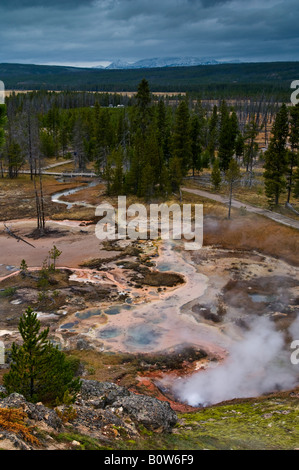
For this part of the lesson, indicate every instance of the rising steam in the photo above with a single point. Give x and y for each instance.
(257, 364)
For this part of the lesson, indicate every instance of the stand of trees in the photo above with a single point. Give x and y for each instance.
(146, 145)
(281, 158)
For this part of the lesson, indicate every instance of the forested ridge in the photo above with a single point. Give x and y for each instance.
(211, 81)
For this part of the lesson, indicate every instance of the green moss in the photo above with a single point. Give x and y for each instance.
(268, 424)
(86, 442)
(252, 425)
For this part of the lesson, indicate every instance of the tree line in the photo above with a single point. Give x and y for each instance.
(145, 146)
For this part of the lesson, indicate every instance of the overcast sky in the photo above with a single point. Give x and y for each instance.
(92, 32)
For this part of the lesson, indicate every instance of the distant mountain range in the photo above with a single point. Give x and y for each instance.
(157, 62)
(216, 81)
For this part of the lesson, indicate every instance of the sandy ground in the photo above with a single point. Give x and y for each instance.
(77, 244)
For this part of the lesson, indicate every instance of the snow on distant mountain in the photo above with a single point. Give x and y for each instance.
(166, 62)
(119, 64)
(173, 62)
(157, 62)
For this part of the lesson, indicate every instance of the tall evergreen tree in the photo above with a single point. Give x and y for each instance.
(293, 156)
(39, 371)
(143, 106)
(137, 163)
(250, 146)
(196, 143)
(15, 158)
(3, 120)
(232, 176)
(117, 183)
(181, 142)
(276, 158)
(212, 134)
(227, 136)
(216, 174)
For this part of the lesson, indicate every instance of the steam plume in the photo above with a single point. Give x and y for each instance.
(257, 364)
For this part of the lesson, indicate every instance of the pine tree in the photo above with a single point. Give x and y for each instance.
(175, 174)
(163, 130)
(54, 254)
(276, 158)
(232, 176)
(23, 268)
(181, 142)
(293, 159)
(227, 136)
(133, 176)
(118, 172)
(212, 134)
(196, 147)
(143, 109)
(216, 174)
(2, 123)
(250, 146)
(39, 371)
(15, 158)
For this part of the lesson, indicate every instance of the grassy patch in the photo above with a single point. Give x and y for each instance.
(246, 232)
(261, 424)
(266, 424)
(20, 194)
(85, 442)
(8, 292)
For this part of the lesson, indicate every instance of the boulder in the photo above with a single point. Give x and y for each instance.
(152, 413)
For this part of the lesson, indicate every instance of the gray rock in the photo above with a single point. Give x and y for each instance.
(34, 411)
(9, 441)
(104, 393)
(152, 413)
(14, 400)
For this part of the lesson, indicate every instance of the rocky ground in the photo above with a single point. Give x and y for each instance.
(108, 417)
(103, 412)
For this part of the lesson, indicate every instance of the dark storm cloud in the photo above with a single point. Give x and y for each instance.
(80, 31)
(13, 4)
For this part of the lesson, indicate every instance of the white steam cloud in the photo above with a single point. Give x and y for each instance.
(257, 364)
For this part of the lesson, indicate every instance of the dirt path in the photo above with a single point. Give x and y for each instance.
(237, 204)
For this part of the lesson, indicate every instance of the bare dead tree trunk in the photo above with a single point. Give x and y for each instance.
(29, 147)
(230, 199)
(42, 201)
(39, 198)
(37, 205)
